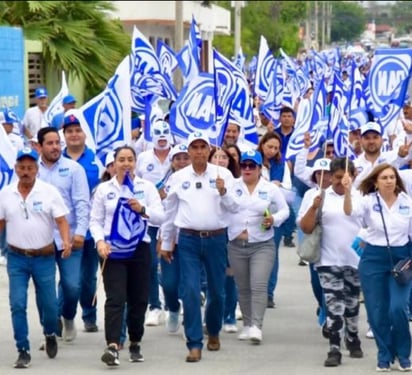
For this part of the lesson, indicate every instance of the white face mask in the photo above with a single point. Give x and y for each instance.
(161, 132)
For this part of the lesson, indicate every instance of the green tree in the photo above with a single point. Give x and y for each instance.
(277, 21)
(401, 14)
(348, 21)
(78, 36)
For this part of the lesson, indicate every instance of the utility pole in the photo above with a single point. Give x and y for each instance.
(323, 23)
(179, 29)
(329, 23)
(308, 29)
(316, 25)
(238, 26)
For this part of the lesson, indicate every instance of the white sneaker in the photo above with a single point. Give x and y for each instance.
(369, 334)
(238, 313)
(69, 332)
(244, 334)
(255, 335)
(230, 328)
(3, 260)
(173, 322)
(154, 318)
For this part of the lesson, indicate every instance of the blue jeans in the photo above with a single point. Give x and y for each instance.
(170, 281)
(193, 253)
(43, 271)
(386, 302)
(318, 293)
(90, 263)
(229, 315)
(3, 243)
(273, 278)
(69, 284)
(154, 301)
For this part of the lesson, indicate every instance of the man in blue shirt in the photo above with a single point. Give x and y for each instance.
(71, 181)
(76, 149)
(69, 102)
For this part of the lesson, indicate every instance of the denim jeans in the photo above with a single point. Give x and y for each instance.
(3, 243)
(273, 278)
(170, 281)
(43, 271)
(68, 293)
(386, 302)
(229, 315)
(154, 300)
(194, 252)
(88, 279)
(318, 293)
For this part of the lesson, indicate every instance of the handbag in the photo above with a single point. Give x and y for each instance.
(309, 249)
(402, 270)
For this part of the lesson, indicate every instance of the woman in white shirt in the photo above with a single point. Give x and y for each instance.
(387, 212)
(126, 254)
(338, 264)
(251, 248)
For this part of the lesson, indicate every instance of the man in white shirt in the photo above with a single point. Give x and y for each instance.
(35, 117)
(196, 205)
(7, 119)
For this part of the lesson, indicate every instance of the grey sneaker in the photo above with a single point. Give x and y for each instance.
(134, 352)
(23, 360)
(51, 346)
(173, 322)
(69, 330)
(111, 356)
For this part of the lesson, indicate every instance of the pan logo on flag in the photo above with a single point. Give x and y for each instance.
(5, 173)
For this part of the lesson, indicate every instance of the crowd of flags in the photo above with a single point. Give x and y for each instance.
(208, 101)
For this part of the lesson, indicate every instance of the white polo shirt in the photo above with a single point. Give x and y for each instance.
(193, 202)
(251, 210)
(105, 201)
(339, 230)
(149, 167)
(30, 223)
(34, 119)
(398, 219)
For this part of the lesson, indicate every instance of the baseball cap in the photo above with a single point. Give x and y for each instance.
(70, 120)
(371, 126)
(109, 158)
(27, 152)
(197, 136)
(178, 149)
(8, 117)
(68, 99)
(41, 92)
(252, 155)
(322, 164)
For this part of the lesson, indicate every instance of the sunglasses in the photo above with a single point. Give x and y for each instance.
(251, 166)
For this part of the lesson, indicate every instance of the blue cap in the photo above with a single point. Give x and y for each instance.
(68, 99)
(70, 120)
(8, 117)
(41, 92)
(252, 155)
(29, 153)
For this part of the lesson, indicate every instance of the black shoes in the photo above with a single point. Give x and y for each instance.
(334, 358)
(354, 347)
(288, 242)
(51, 346)
(23, 360)
(270, 303)
(90, 327)
(134, 353)
(111, 356)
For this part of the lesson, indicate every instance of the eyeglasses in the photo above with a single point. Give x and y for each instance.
(25, 210)
(250, 166)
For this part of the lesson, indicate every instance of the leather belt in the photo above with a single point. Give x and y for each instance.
(42, 252)
(203, 233)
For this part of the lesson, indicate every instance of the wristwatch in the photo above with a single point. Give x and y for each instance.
(143, 210)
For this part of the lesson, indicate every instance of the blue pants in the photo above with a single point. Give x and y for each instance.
(154, 300)
(170, 281)
(43, 271)
(90, 263)
(229, 315)
(273, 278)
(193, 253)
(386, 302)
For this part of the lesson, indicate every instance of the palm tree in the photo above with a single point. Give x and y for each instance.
(78, 37)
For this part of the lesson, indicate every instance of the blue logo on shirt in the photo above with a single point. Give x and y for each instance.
(376, 207)
(150, 167)
(404, 210)
(239, 192)
(37, 206)
(139, 194)
(63, 172)
(111, 195)
(263, 195)
(186, 185)
(212, 183)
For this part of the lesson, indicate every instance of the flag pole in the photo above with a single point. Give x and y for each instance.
(99, 281)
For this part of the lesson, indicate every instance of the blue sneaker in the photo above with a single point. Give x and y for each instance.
(383, 367)
(404, 365)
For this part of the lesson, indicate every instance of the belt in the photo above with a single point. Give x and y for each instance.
(203, 233)
(43, 251)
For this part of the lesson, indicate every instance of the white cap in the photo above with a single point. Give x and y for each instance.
(196, 136)
(322, 164)
(371, 126)
(178, 149)
(109, 158)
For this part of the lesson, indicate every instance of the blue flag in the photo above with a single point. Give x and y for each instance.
(7, 159)
(264, 70)
(167, 59)
(128, 226)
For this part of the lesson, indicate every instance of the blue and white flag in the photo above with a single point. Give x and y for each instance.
(274, 100)
(264, 70)
(106, 119)
(240, 60)
(56, 105)
(167, 59)
(146, 77)
(194, 110)
(388, 82)
(153, 113)
(7, 159)
(128, 226)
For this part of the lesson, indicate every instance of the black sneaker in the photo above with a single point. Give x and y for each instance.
(334, 358)
(354, 347)
(288, 242)
(51, 346)
(59, 327)
(90, 327)
(270, 303)
(111, 356)
(23, 360)
(134, 352)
